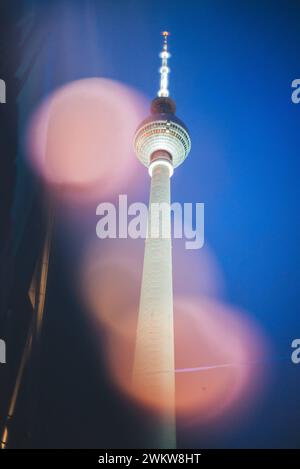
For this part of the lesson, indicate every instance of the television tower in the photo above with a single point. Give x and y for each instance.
(161, 143)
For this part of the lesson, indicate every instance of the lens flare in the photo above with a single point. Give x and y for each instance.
(111, 275)
(81, 136)
(219, 351)
(216, 352)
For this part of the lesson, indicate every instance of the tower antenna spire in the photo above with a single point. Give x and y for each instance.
(164, 69)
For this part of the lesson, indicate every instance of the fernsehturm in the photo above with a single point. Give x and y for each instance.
(161, 143)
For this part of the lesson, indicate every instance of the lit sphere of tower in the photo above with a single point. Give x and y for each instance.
(162, 135)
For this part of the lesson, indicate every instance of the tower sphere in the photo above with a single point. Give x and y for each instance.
(163, 131)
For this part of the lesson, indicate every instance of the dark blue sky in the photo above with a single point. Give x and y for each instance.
(231, 71)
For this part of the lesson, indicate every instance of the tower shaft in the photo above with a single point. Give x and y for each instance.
(154, 374)
(161, 143)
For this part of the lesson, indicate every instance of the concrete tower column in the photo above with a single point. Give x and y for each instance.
(161, 143)
(154, 374)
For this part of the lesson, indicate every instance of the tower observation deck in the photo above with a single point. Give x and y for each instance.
(162, 143)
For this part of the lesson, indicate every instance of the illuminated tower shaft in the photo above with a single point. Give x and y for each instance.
(161, 143)
(154, 359)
